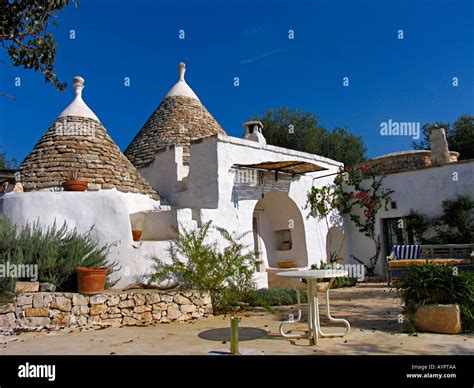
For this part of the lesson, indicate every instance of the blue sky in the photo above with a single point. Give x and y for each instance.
(402, 80)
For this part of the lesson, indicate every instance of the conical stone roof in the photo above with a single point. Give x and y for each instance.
(78, 140)
(179, 119)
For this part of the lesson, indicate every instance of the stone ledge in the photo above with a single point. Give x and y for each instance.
(56, 310)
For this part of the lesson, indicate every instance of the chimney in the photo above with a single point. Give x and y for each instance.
(253, 131)
(439, 147)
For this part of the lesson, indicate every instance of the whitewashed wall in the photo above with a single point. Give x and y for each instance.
(215, 192)
(108, 210)
(421, 190)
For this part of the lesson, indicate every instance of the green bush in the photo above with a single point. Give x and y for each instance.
(274, 297)
(226, 274)
(454, 226)
(435, 284)
(56, 251)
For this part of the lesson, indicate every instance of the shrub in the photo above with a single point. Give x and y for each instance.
(56, 251)
(435, 284)
(274, 297)
(454, 226)
(226, 274)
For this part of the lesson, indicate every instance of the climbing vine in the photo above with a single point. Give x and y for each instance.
(357, 192)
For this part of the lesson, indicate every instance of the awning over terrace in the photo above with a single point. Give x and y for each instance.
(286, 166)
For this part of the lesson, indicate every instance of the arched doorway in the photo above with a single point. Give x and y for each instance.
(279, 231)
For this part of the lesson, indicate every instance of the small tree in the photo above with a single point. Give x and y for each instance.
(24, 34)
(227, 274)
(7, 163)
(357, 192)
(302, 131)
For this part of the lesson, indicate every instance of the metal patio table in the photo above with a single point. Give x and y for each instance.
(311, 277)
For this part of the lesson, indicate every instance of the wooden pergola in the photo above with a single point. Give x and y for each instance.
(287, 166)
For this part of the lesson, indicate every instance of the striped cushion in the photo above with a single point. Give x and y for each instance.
(406, 252)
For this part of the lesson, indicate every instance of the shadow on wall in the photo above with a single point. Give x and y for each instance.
(250, 184)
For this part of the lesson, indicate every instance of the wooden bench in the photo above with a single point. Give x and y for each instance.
(461, 255)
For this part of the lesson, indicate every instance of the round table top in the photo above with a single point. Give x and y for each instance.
(314, 273)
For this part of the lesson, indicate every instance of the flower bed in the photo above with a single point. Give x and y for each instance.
(55, 310)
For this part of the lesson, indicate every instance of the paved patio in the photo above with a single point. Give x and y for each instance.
(372, 311)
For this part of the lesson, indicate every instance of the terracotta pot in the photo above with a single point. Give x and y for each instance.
(75, 186)
(137, 234)
(91, 281)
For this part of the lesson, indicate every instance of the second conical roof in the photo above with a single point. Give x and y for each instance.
(179, 119)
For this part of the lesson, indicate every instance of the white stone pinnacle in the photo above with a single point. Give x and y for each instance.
(181, 88)
(78, 107)
(181, 71)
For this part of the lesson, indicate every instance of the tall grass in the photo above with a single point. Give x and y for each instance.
(435, 284)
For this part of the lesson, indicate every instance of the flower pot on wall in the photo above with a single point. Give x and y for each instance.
(91, 281)
(75, 185)
(137, 234)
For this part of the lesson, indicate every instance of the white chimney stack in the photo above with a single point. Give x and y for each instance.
(253, 131)
(439, 147)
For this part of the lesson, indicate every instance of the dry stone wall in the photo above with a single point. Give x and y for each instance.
(407, 161)
(55, 310)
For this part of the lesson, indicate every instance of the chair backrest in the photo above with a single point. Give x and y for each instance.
(406, 252)
(455, 251)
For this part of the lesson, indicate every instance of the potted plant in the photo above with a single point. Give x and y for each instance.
(74, 184)
(91, 281)
(137, 228)
(437, 298)
(137, 234)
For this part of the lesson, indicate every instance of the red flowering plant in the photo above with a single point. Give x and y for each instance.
(358, 193)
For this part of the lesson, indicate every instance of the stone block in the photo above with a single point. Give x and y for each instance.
(97, 309)
(38, 300)
(139, 299)
(37, 321)
(47, 287)
(62, 319)
(23, 300)
(61, 303)
(129, 303)
(444, 319)
(98, 299)
(80, 300)
(7, 308)
(37, 312)
(7, 320)
(173, 312)
(180, 299)
(27, 287)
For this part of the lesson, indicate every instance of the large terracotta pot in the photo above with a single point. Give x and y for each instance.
(75, 186)
(137, 234)
(91, 281)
